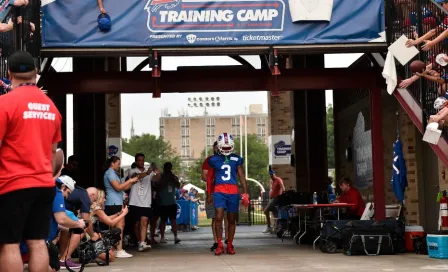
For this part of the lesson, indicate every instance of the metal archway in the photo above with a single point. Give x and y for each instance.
(258, 183)
(239, 59)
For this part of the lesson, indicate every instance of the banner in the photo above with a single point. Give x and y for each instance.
(145, 23)
(362, 157)
(279, 149)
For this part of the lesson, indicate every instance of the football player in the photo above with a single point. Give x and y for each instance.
(227, 167)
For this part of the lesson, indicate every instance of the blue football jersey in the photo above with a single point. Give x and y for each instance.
(226, 169)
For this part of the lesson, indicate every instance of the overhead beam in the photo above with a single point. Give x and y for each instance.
(214, 51)
(210, 80)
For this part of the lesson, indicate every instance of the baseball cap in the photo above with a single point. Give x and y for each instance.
(271, 172)
(441, 1)
(21, 62)
(67, 181)
(104, 22)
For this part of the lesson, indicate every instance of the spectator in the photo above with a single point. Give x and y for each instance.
(71, 168)
(351, 195)
(277, 189)
(140, 201)
(30, 129)
(166, 188)
(60, 219)
(79, 200)
(114, 197)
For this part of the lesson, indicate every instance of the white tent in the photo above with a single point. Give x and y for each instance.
(189, 186)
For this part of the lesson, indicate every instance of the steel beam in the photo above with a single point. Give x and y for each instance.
(210, 80)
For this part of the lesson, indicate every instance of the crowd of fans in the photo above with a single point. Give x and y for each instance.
(433, 43)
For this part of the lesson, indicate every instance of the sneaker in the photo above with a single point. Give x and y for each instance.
(70, 264)
(215, 246)
(143, 246)
(123, 254)
(230, 249)
(163, 241)
(219, 250)
(268, 230)
(176, 240)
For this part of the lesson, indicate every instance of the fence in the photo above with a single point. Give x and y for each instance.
(420, 21)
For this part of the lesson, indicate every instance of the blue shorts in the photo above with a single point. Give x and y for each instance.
(228, 202)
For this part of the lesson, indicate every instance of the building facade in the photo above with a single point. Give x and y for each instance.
(190, 135)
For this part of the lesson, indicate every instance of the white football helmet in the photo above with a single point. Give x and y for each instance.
(225, 144)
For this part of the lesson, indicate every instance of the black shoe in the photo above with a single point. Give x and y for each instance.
(215, 246)
(226, 241)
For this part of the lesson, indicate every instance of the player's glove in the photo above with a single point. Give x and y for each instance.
(245, 200)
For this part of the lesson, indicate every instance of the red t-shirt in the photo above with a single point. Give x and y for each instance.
(210, 176)
(352, 196)
(276, 188)
(29, 124)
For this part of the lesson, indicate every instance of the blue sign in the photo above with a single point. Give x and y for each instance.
(145, 23)
(282, 149)
(113, 150)
(179, 211)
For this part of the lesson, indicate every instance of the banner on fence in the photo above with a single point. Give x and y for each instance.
(143, 23)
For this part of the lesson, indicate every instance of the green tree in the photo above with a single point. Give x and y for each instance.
(258, 160)
(155, 150)
(330, 136)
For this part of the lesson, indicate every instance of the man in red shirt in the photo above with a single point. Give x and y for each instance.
(351, 195)
(277, 189)
(30, 128)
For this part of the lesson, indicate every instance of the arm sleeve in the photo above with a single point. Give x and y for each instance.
(240, 162)
(211, 163)
(205, 164)
(85, 203)
(3, 121)
(210, 178)
(58, 203)
(57, 135)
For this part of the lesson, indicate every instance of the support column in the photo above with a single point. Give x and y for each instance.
(113, 111)
(377, 153)
(310, 143)
(89, 132)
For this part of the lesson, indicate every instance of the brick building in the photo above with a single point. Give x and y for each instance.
(189, 135)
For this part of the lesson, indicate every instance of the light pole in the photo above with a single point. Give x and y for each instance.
(204, 102)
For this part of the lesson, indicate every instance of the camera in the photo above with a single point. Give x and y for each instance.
(79, 230)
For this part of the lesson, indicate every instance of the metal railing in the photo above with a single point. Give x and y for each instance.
(415, 19)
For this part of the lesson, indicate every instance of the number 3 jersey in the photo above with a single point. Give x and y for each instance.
(226, 172)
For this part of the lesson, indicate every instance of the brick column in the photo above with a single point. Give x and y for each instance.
(280, 120)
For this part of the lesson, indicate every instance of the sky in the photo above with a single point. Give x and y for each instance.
(145, 110)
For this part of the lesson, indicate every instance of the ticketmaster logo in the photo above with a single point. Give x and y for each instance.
(261, 38)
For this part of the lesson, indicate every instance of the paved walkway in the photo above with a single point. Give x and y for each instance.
(259, 252)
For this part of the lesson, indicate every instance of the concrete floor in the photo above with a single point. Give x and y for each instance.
(260, 252)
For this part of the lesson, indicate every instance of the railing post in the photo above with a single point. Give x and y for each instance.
(422, 56)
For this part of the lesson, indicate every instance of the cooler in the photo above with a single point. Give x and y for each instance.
(437, 245)
(412, 231)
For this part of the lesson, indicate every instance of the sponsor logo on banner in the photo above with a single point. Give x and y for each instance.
(113, 150)
(179, 211)
(224, 16)
(282, 149)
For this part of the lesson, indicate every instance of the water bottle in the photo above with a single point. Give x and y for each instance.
(315, 198)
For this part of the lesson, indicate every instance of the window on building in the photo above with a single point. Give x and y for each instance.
(236, 121)
(210, 141)
(261, 132)
(185, 122)
(211, 122)
(211, 132)
(185, 142)
(162, 132)
(162, 122)
(235, 132)
(261, 121)
(185, 152)
(185, 132)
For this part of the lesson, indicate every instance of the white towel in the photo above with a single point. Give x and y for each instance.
(390, 73)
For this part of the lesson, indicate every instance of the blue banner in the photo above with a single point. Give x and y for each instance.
(163, 23)
(187, 212)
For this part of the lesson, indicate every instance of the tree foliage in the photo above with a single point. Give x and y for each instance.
(330, 136)
(155, 150)
(257, 159)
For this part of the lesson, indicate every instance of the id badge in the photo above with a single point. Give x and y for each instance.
(170, 189)
(140, 191)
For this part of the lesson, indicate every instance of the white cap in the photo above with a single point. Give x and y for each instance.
(68, 181)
